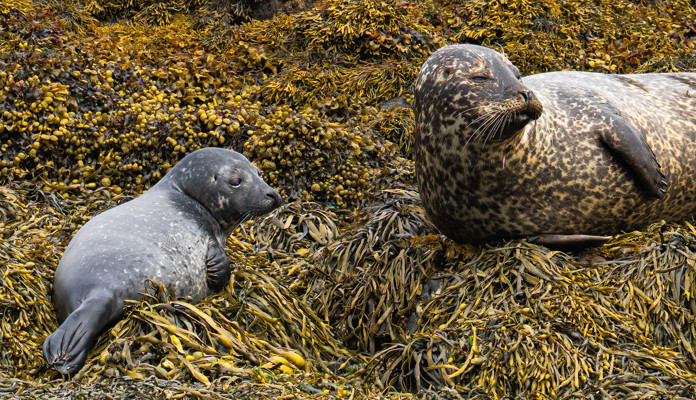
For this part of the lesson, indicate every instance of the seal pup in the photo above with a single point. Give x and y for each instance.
(174, 233)
(563, 158)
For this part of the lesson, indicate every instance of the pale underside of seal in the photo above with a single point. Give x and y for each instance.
(174, 234)
(558, 156)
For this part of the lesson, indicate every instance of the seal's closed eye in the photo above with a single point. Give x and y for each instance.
(479, 78)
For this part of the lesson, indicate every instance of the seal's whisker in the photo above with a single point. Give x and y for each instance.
(491, 110)
(505, 121)
(480, 118)
(485, 128)
(477, 119)
(492, 117)
(485, 118)
(475, 108)
(499, 123)
(482, 126)
(508, 121)
(493, 121)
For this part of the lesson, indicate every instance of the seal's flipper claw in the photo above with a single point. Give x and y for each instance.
(569, 241)
(67, 348)
(218, 267)
(629, 145)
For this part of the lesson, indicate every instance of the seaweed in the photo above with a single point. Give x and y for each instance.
(346, 291)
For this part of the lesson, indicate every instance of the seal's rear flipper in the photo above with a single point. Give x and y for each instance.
(66, 349)
(569, 241)
(629, 145)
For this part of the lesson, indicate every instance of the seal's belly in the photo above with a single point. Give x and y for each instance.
(182, 265)
(174, 256)
(120, 251)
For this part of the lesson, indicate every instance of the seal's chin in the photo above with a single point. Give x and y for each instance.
(531, 111)
(520, 120)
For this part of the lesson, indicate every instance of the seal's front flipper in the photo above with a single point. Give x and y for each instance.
(66, 349)
(630, 146)
(569, 241)
(218, 266)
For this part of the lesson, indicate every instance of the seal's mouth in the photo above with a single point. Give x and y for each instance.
(529, 110)
(500, 120)
(525, 116)
(518, 122)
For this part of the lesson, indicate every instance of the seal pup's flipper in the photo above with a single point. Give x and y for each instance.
(218, 267)
(67, 348)
(569, 241)
(629, 145)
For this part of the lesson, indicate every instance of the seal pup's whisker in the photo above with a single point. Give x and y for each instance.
(247, 216)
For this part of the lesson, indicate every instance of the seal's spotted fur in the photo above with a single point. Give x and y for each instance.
(558, 153)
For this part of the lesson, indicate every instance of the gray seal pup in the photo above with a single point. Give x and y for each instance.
(175, 233)
(562, 158)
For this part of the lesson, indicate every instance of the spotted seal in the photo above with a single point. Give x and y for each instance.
(174, 233)
(563, 157)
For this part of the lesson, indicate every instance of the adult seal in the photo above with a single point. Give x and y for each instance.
(563, 158)
(174, 233)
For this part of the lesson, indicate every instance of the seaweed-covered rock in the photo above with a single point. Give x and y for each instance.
(604, 36)
(98, 99)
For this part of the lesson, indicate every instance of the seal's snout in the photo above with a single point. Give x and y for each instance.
(275, 198)
(532, 105)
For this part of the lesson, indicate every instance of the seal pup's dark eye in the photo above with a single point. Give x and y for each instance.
(236, 182)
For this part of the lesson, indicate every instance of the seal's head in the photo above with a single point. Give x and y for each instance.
(473, 91)
(225, 183)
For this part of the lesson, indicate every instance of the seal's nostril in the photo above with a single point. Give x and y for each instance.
(526, 95)
(529, 97)
(277, 200)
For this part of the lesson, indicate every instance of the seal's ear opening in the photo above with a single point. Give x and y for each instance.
(446, 73)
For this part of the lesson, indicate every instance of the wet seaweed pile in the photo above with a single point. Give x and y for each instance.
(346, 291)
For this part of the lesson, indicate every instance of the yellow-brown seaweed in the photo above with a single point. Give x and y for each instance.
(347, 291)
